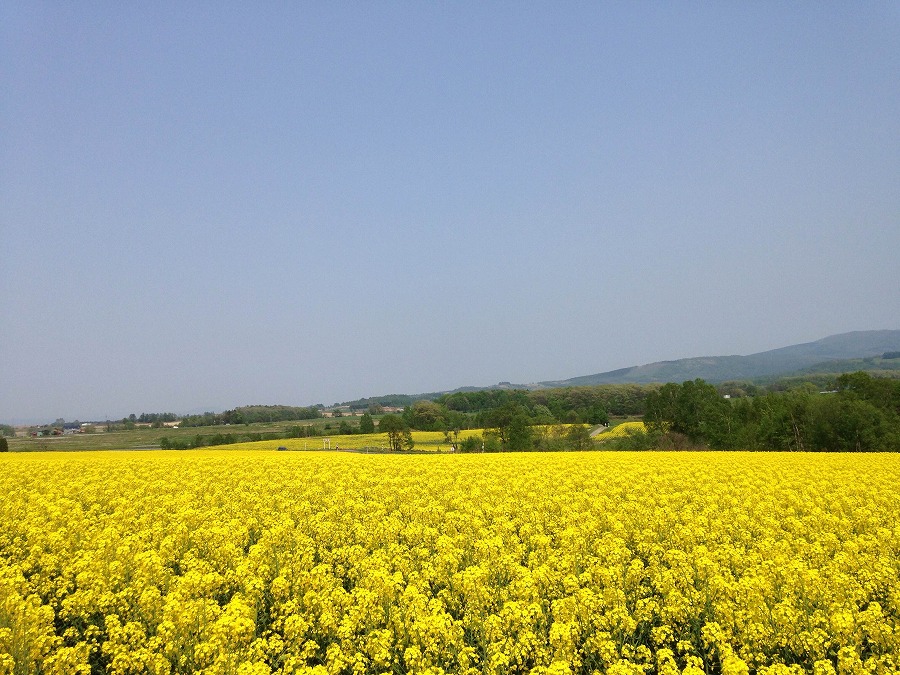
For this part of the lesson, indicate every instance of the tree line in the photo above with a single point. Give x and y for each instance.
(207, 440)
(505, 428)
(857, 413)
(565, 405)
(586, 404)
(252, 414)
(862, 414)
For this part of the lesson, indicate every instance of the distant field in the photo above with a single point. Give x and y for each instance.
(148, 439)
(424, 440)
(142, 438)
(621, 431)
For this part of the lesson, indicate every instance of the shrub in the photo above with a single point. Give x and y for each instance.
(470, 444)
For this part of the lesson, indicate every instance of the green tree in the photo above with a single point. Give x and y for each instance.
(841, 424)
(470, 444)
(490, 442)
(694, 409)
(406, 440)
(426, 415)
(366, 424)
(579, 437)
(457, 420)
(783, 420)
(4, 444)
(661, 408)
(512, 424)
(399, 436)
(542, 415)
(880, 392)
(518, 433)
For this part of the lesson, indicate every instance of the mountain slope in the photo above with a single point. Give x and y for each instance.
(833, 354)
(858, 344)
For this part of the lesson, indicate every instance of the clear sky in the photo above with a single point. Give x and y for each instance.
(205, 205)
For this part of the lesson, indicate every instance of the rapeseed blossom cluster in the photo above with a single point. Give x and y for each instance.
(250, 563)
(622, 431)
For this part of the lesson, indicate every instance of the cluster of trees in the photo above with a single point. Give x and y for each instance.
(433, 416)
(513, 413)
(553, 437)
(515, 420)
(512, 425)
(507, 428)
(253, 413)
(571, 405)
(376, 404)
(398, 431)
(366, 426)
(861, 414)
(588, 403)
(202, 441)
(444, 414)
(154, 418)
(858, 412)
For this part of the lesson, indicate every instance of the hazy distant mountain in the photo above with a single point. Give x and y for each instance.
(835, 354)
(782, 361)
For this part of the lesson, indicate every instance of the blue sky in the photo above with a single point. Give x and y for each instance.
(206, 205)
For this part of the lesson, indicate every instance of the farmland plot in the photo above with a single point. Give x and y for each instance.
(267, 562)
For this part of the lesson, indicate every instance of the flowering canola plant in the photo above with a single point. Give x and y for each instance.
(621, 431)
(245, 563)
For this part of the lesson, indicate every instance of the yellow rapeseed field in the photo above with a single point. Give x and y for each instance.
(238, 562)
(621, 431)
(424, 441)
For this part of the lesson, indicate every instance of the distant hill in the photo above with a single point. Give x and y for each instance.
(847, 352)
(772, 363)
(875, 365)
